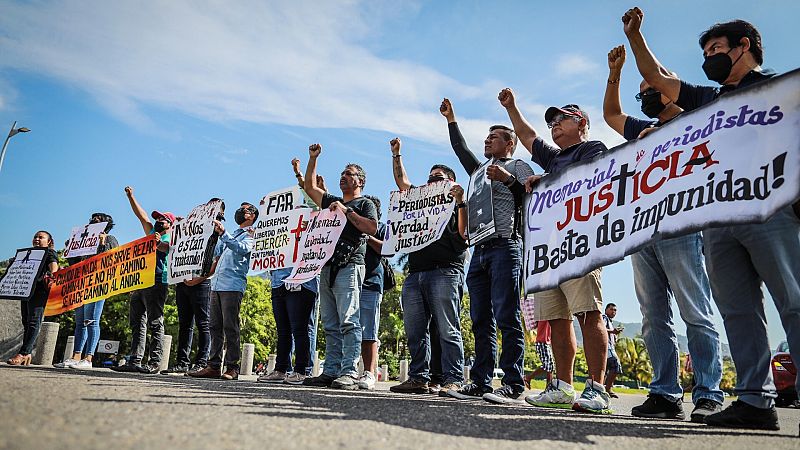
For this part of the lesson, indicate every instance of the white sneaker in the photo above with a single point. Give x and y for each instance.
(82, 364)
(557, 394)
(594, 399)
(366, 381)
(66, 363)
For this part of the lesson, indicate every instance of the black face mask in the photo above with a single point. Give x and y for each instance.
(239, 216)
(221, 217)
(718, 67)
(159, 226)
(651, 105)
(434, 179)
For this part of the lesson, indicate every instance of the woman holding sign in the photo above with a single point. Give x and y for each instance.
(32, 311)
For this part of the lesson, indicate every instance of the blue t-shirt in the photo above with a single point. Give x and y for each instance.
(634, 126)
(161, 260)
(373, 274)
(553, 159)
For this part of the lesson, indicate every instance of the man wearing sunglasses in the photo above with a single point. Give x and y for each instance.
(739, 257)
(581, 297)
(670, 266)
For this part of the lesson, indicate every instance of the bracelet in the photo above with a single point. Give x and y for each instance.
(297, 175)
(461, 205)
(396, 156)
(613, 81)
(511, 179)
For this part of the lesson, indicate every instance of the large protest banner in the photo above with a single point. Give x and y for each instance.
(480, 213)
(20, 277)
(190, 240)
(735, 160)
(417, 217)
(123, 269)
(317, 244)
(281, 220)
(84, 240)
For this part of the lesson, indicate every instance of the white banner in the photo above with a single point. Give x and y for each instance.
(189, 241)
(417, 217)
(281, 220)
(84, 240)
(480, 211)
(20, 277)
(317, 244)
(735, 160)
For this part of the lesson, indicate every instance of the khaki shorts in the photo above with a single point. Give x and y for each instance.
(571, 297)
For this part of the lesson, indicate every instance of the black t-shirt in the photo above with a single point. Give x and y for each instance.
(351, 242)
(41, 291)
(553, 159)
(692, 96)
(373, 275)
(449, 251)
(634, 126)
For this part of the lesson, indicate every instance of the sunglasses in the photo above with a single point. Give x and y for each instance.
(559, 117)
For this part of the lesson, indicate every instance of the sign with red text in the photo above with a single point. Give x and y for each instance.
(282, 219)
(317, 244)
(84, 240)
(734, 160)
(417, 217)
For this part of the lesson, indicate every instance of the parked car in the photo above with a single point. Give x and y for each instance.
(784, 372)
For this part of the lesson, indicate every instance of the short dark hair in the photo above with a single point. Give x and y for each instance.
(611, 305)
(362, 175)
(103, 217)
(508, 133)
(448, 171)
(734, 31)
(377, 202)
(50, 236)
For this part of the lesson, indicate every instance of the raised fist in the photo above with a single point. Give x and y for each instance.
(314, 150)
(457, 192)
(128, 191)
(506, 98)
(632, 20)
(296, 165)
(616, 58)
(395, 144)
(446, 108)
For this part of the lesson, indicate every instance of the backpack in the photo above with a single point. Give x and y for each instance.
(389, 280)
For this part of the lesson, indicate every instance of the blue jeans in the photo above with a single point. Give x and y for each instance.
(292, 311)
(193, 309)
(32, 315)
(676, 266)
(339, 310)
(434, 296)
(494, 288)
(739, 258)
(369, 315)
(87, 327)
(312, 333)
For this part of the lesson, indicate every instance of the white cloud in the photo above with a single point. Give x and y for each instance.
(574, 64)
(264, 62)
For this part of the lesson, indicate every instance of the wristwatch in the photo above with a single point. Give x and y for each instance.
(348, 211)
(461, 205)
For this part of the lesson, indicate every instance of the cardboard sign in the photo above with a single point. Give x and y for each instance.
(190, 240)
(20, 277)
(281, 221)
(480, 210)
(84, 240)
(123, 269)
(317, 245)
(417, 217)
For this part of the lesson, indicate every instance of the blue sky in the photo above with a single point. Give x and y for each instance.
(189, 100)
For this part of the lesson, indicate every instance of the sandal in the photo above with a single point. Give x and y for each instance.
(20, 360)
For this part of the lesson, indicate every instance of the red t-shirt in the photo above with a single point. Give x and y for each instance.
(543, 331)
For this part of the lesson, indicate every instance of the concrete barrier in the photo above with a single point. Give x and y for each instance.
(45, 348)
(248, 353)
(166, 345)
(466, 374)
(385, 372)
(271, 363)
(403, 370)
(70, 348)
(316, 369)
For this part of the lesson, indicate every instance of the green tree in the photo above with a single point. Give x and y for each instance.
(634, 359)
(257, 319)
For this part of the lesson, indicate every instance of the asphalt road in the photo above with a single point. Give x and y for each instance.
(47, 408)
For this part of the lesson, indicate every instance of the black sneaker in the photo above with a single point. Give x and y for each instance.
(704, 408)
(504, 395)
(322, 380)
(130, 368)
(742, 415)
(176, 369)
(659, 407)
(150, 369)
(470, 392)
(411, 386)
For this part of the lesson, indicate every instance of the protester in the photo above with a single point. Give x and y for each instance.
(370, 301)
(32, 310)
(292, 306)
(544, 351)
(738, 257)
(147, 305)
(193, 298)
(227, 290)
(342, 276)
(432, 292)
(87, 316)
(496, 268)
(670, 267)
(613, 366)
(580, 297)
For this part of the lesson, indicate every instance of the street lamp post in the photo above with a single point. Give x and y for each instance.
(11, 133)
